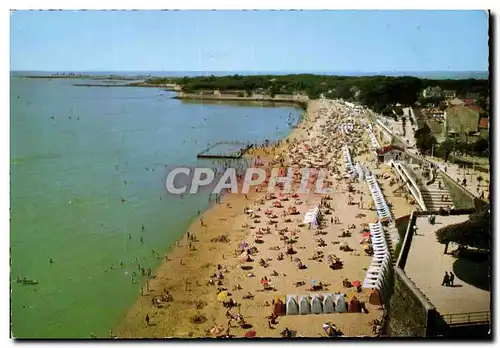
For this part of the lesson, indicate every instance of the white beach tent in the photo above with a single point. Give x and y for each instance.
(292, 307)
(304, 305)
(340, 304)
(328, 304)
(316, 304)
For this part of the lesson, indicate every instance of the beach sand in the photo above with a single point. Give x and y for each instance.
(188, 281)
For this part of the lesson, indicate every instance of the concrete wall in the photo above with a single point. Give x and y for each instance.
(461, 198)
(408, 314)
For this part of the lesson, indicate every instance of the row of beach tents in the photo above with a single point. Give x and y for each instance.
(327, 303)
(374, 141)
(378, 197)
(381, 259)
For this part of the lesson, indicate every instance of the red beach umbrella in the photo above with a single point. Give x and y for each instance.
(356, 283)
(251, 334)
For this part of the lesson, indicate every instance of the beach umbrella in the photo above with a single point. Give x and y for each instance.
(356, 283)
(222, 296)
(243, 257)
(244, 245)
(366, 234)
(313, 282)
(367, 246)
(264, 282)
(250, 334)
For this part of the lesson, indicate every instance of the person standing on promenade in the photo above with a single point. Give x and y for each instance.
(147, 319)
(452, 278)
(446, 279)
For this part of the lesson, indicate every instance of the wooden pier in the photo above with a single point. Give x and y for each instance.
(225, 149)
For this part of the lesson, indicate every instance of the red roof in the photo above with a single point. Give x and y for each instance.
(468, 101)
(484, 122)
(475, 108)
(389, 148)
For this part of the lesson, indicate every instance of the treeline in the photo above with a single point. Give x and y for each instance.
(377, 92)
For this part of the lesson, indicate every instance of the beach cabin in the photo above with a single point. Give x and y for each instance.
(375, 297)
(304, 305)
(316, 305)
(328, 304)
(340, 304)
(279, 308)
(292, 307)
(354, 305)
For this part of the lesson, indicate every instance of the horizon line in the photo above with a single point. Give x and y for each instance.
(291, 71)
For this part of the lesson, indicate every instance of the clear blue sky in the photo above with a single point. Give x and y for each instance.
(354, 41)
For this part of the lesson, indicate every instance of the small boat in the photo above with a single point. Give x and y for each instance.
(27, 281)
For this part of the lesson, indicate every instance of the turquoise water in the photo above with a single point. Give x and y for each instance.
(86, 179)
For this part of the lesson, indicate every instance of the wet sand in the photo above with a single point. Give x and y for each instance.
(188, 280)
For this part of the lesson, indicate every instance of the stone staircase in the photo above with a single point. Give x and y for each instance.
(432, 194)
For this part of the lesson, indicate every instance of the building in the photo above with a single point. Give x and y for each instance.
(390, 152)
(468, 101)
(456, 101)
(460, 120)
(432, 92)
(449, 93)
(434, 113)
(473, 96)
(484, 127)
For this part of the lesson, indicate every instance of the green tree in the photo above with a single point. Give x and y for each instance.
(481, 145)
(475, 232)
(446, 147)
(481, 102)
(426, 142)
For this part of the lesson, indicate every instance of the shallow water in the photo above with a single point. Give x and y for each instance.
(83, 183)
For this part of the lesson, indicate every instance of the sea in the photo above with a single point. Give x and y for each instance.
(87, 173)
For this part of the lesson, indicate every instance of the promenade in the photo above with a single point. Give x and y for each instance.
(427, 264)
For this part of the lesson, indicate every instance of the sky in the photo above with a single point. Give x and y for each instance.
(295, 41)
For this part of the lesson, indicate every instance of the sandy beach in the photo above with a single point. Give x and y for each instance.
(194, 307)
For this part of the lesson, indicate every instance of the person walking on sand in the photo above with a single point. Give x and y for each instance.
(147, 319)
(452, 278)
(446, 279)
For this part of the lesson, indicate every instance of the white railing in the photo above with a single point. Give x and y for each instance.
(384, 127)
(410, 183)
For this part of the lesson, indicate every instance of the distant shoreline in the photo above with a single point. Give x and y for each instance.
(201, 98)
(84, 77)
